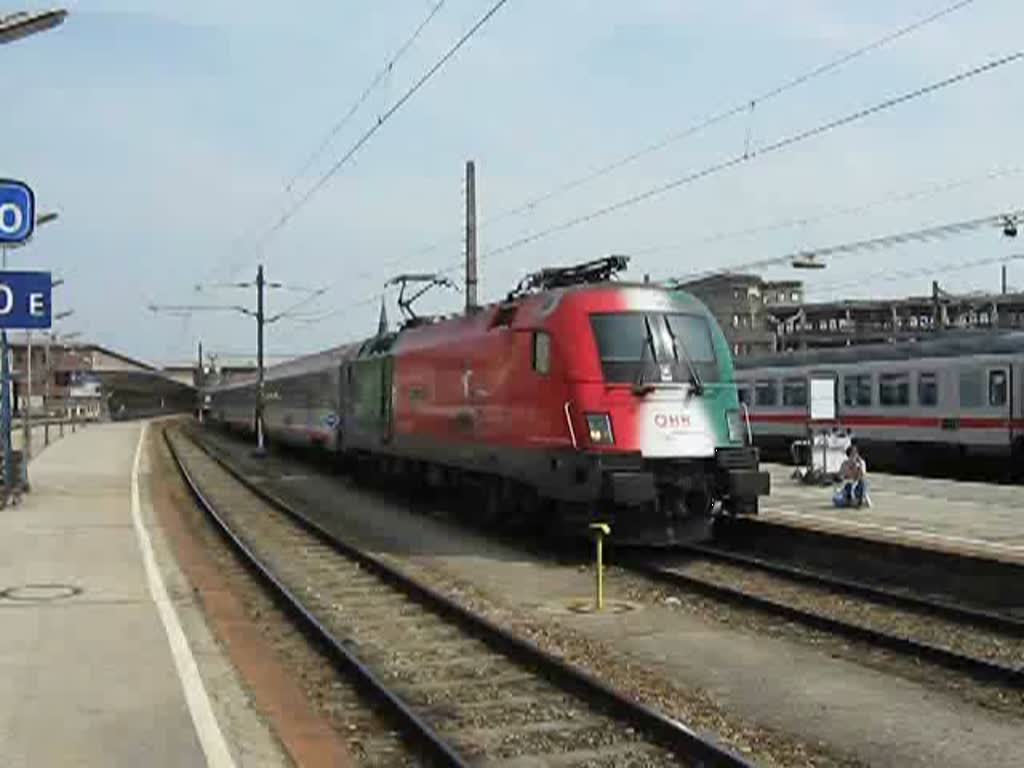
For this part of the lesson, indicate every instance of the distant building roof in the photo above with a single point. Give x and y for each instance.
(22, 339)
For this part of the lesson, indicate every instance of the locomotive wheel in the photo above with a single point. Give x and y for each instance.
(745, 508)
(491, 507)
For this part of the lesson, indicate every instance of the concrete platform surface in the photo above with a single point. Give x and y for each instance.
(977, 518)
(96, 668)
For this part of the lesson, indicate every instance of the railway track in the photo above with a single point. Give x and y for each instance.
(1000, 622)
(986, 646)
(461, 688)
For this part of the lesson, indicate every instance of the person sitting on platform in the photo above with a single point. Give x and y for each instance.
(854, 471)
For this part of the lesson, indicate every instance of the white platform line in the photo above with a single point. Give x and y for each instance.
(904, 532)
(208, 730)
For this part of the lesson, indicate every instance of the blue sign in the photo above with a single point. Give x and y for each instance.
(25, 299)
(17, 211)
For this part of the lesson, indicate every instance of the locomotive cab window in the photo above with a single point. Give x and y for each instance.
(659, 346)
(927, 389)
(743, 393)
(998, 386)
(542, 353)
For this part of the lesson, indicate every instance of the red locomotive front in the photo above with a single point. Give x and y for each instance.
(605, 401)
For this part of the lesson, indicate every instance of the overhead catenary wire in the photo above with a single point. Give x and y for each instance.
(736, 160)
(747, 106)
(792, 222)
(370, 88)
(308, 195)
(744, 106)
(881, 242)
(899, 274)
(339, 125)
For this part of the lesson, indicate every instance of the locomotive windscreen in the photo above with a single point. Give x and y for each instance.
(654, 346)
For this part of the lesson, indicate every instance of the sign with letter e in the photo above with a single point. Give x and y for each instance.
(25, 299)
(17, 211)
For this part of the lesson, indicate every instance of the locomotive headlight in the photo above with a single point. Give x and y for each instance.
(599, 425)
(737, 429)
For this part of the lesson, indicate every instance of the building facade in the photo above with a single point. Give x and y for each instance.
(844, 323)
(761, 317)
(747, 307)
(57, 379)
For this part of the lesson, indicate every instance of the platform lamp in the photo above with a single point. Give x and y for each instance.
(807, 261)
(20, 25)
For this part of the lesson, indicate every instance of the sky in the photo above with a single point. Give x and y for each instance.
(166, 135)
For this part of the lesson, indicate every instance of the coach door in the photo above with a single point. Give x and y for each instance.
(1000, 400)
(984, 418)
(1016, 401)
(387, 367)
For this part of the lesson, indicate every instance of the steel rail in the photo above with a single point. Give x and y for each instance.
(982, 669)
(435, 746)
(938, 608)
(667, 731)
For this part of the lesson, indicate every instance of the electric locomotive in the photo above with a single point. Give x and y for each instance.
(576, 399)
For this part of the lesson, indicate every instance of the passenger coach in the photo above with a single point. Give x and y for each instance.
(961, 394)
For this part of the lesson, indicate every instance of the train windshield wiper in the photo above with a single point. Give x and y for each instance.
(677, 343)
(648, 342)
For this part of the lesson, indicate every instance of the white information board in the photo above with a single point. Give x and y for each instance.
(823, 399)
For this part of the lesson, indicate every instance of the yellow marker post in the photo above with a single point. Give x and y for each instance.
(600, 531)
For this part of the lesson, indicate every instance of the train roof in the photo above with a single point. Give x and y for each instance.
(381, 343)
(953, 344)
(313, 363)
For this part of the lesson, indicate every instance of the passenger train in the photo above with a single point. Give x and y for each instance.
(578, 399)
(958, 395)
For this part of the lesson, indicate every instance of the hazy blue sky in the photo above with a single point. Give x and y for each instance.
(164, 133)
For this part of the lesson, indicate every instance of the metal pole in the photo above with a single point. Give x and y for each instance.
(1004, 279)
(71, 401)
(199, 384)
(27, 418)
(5, 401)
(600, 531)
(46, 390)
(471, 274)
(260, 449)
(5, 409)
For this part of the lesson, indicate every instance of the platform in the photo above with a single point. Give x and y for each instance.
(975, 518)
(96, 670)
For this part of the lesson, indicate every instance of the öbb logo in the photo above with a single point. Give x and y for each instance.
(671, 420)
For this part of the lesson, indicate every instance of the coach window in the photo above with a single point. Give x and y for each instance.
(927, 389)
(794, 392)
(541, 353)
(970, 389)
(997, 387)
(894, 389)
(743, 393)
(857, 390)
(766, 393)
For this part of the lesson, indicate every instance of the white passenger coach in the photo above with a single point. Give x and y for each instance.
(961, 393)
